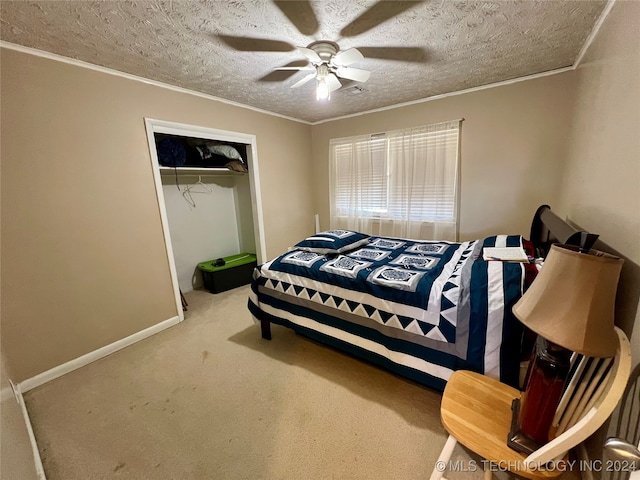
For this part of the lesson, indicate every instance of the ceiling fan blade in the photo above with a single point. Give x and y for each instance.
(334, 83)
(347, 57)
(310, 54)
(400, 54)
(347, 84)
(299, 83)
(300, 14)
(250, 44)
(285, 72)
(377, 14)
(277, 76)
(295, 68)
(350, 73)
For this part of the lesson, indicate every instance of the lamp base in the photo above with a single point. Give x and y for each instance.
(517, 440)
(533, 411)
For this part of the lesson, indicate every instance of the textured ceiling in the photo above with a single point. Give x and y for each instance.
(229, 49)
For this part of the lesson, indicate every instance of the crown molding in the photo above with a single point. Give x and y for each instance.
(155, 83)
(585, 47)
(594, 33)
(452, 94)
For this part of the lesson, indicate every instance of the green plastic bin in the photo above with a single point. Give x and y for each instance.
(236, 271)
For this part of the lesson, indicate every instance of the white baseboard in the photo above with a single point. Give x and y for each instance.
(86, 359)
(32, 438)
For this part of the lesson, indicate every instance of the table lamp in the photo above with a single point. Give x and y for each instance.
(570, 305)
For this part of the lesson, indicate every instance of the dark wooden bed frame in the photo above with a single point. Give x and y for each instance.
(546, 229)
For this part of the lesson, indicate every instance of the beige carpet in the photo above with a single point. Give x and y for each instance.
(210, 399)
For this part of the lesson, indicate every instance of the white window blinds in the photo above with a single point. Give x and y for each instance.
(401, 183)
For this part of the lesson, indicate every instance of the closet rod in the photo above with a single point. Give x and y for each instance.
(221, 174)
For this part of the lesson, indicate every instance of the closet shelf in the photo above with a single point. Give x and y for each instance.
(198, 171)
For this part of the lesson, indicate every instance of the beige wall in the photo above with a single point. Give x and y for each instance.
(513, 147)
(601, 188)
(83, 257)
(83, 261)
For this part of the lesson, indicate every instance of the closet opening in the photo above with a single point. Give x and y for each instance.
(208, 189)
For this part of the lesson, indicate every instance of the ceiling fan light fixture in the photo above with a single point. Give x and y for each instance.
(330, 64)
(323, 90)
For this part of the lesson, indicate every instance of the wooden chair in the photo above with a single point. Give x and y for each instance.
(476, 411)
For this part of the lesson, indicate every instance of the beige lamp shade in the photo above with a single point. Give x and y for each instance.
(571, 302)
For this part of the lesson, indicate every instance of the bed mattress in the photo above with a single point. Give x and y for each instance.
(421, 309)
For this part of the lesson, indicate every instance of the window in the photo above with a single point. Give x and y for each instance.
(398, 183)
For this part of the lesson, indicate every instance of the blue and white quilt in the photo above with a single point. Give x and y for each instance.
(422, 309)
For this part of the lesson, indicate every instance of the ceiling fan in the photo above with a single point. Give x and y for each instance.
(328, 63)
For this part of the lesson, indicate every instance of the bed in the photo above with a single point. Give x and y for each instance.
(420, 309)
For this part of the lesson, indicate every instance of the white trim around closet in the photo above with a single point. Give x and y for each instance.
(173, 128)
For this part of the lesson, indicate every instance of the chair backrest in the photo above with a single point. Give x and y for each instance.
(593, 391)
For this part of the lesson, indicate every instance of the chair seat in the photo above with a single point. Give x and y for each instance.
(476, 410)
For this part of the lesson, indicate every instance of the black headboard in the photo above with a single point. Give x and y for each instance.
(547, 228)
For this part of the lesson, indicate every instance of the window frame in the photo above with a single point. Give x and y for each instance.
(341, 210)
